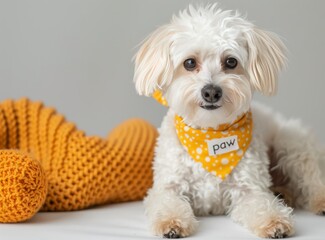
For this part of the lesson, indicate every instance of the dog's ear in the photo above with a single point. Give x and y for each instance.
(153, 66)
(266, 57)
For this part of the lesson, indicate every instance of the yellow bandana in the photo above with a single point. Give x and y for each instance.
(218, 150)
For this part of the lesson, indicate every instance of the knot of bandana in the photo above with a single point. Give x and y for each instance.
(218, 150)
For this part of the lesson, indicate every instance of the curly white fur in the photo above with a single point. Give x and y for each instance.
(182, 188)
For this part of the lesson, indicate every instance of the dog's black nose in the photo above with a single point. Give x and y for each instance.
(211, 93)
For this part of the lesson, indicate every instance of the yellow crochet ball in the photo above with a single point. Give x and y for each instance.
(24, 180)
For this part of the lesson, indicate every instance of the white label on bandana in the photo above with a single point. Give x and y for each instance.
(222, 145)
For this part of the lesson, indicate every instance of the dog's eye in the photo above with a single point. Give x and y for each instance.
(231, 63)
(190, 64)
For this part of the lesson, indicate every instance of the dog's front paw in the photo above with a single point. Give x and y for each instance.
(173, 233)
(319, 208)
(317, 205)
(175, 228)
(276, 228)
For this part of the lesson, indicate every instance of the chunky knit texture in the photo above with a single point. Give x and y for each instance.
(23, 186)
(77, 171)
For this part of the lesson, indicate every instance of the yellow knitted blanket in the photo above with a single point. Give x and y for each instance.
(47, 163)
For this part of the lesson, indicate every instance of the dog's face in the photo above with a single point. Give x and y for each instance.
(207, 63)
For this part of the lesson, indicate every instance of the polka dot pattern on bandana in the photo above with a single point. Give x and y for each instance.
(195, 141)
(160, 98)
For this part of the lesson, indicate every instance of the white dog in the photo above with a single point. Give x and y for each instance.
(207, 63)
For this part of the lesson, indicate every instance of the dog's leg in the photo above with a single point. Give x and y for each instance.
(262, 213)
(170, 215)
(252, 203)
(297, 155)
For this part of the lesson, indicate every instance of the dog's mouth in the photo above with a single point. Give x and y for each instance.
(210, 107)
